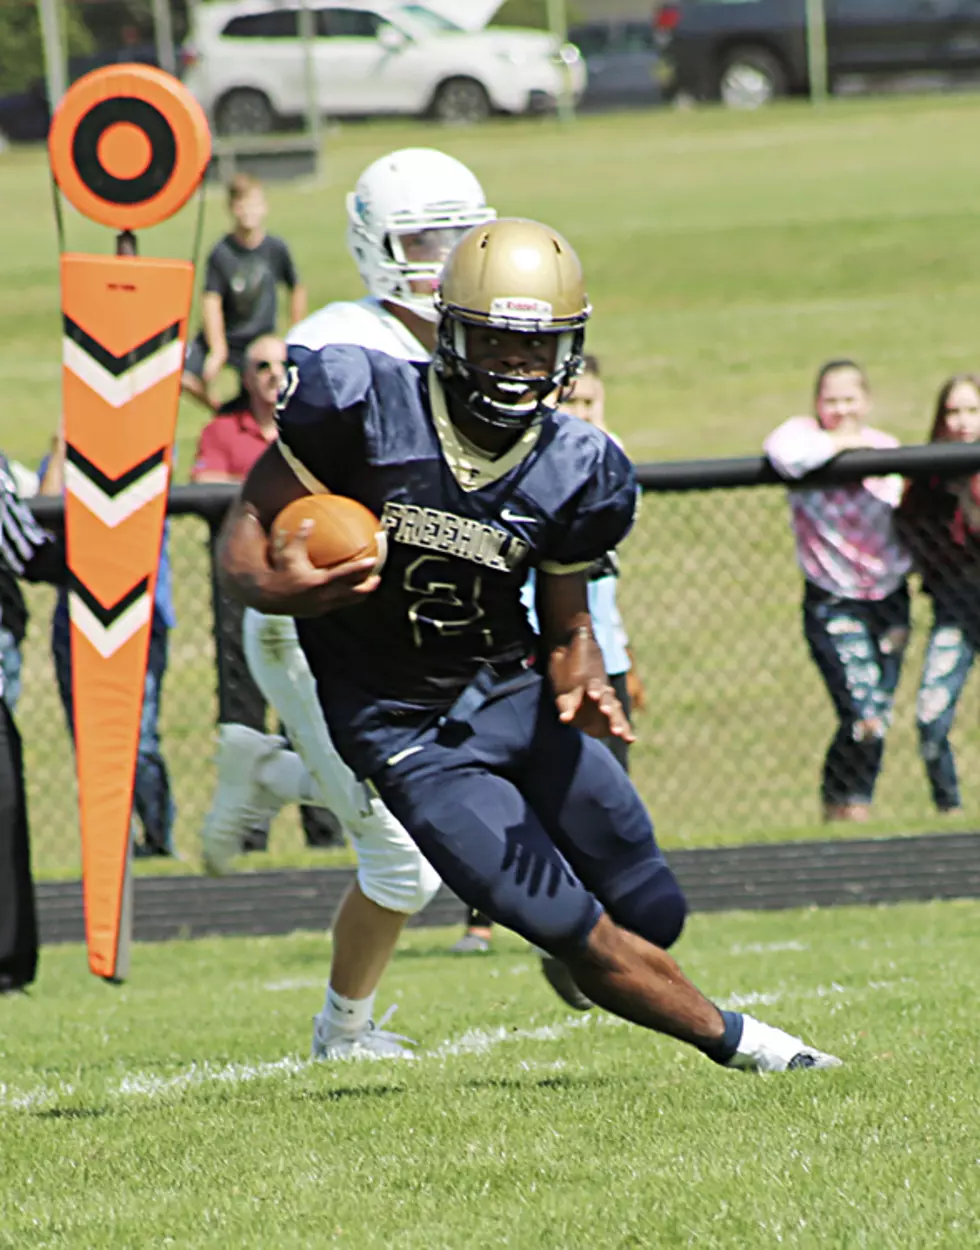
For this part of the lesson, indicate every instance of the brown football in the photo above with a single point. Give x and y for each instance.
(343, 529)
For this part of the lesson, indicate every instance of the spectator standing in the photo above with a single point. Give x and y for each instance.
(940, 521)
(152, 797)
(856, 599)
(26, 550)
(586, 400)
(243, 273)
(229, 445)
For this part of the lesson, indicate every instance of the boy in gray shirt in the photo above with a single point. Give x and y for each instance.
(243, 273)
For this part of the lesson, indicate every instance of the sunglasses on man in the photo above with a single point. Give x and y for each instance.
(264, 366)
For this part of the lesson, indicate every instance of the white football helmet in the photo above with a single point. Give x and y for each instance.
(407, 212)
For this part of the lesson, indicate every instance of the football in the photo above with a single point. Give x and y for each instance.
(343, 530)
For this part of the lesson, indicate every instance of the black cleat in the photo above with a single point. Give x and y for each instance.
(560, 980)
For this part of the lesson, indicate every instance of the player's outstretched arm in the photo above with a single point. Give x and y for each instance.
(279, 578)
(583, 693)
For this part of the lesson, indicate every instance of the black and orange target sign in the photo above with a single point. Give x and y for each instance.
(129, 145)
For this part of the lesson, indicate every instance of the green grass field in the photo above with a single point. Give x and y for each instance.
(181, 1109)
(727, 255)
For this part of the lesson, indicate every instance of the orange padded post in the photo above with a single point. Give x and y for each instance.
(128, 147)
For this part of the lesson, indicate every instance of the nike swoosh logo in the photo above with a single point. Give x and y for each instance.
(401, 755)
(507, 515)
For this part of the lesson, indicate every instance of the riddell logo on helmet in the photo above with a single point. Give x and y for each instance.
(520, 308)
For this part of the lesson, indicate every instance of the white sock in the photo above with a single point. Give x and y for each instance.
(284, 773)
(347, 1015)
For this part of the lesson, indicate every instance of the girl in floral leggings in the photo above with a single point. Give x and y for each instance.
(940, 520)
(856, 600)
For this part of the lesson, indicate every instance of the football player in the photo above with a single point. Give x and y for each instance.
(478, 735)
(405, 214)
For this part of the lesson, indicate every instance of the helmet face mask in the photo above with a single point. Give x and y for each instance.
(508, 281)
(505, 399)
(408, 211)
(416, 260)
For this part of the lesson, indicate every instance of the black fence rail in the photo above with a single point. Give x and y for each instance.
(739, 878)
(732, 741)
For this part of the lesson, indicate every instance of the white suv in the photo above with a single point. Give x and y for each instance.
(246, 64)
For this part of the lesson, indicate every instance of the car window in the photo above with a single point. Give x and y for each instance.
(864, 8)
(591, 39)
(637, 37)
(275, 24)
(432, 23)
(346, 24)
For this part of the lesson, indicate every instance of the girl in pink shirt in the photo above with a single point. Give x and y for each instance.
(855, 601)
(940, 520)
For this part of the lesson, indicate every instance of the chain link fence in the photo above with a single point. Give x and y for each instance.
(732, 742)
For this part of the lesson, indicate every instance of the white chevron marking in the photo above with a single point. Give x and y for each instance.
(108, 641)
(119, 391)
(112, 511)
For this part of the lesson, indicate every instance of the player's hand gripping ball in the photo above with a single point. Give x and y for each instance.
(340, 530)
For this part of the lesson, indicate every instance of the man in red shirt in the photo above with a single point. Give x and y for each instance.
(239, 433)
(229, 445)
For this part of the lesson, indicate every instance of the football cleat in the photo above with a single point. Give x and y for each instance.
(560, 980)
(240, 801)
(372, 1042)
(766, 1049)
(470, 944)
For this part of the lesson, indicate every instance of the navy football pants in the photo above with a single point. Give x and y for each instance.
(526, 819)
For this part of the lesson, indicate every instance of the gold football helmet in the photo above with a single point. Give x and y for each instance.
(518, 276)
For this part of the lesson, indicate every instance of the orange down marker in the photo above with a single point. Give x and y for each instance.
(128, 147)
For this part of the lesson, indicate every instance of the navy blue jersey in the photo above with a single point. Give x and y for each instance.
(462, 531)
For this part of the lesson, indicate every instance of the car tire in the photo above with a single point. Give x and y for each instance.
(751, 77)
(244, 111)
(460, 102)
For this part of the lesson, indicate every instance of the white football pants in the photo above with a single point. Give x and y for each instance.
(391, 870)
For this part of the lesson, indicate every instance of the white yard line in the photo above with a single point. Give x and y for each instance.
(739, 1002)
(480, 1041)
(294, 983)
(472, 1042)
(767, 948)
(151, 1085)
(147, 1085)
